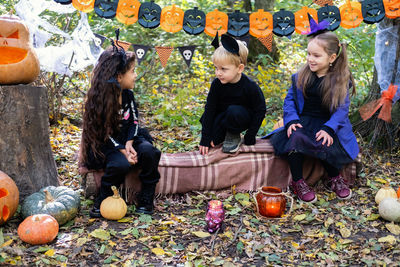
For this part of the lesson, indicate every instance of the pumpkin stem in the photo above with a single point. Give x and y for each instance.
(115, 190)
(49, 197)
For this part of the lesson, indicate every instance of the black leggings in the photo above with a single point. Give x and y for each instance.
(296, 159)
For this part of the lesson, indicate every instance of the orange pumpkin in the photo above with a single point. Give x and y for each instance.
(392, 8)
(38, 229)
(216, 21)
(171, 19)
(302, 24)
(261, 23)
(18, 61)
(127, 11)
(9, 197)
(398, 192)
(84, 5)
(351, 14)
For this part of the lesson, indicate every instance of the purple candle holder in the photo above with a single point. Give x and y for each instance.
(215, 215)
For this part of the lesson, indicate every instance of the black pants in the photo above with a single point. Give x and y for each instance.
(296, 159)
(117, 166)
(235, 119)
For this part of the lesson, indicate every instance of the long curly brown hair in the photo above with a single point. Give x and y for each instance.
(101, 112)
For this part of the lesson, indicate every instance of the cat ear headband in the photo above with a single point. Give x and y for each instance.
(229, 43)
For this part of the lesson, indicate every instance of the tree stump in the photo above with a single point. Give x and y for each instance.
(25, 152)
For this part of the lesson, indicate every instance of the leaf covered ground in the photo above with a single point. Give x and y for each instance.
(328, 232)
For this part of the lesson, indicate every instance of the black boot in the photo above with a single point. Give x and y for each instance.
(95, 211)
(146, 198)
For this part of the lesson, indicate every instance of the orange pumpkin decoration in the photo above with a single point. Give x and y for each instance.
(302, 23)
(216, 21)
(171, 19)
(84, 5)
(18, 61)
(351, 14)
(398, 192)
(127, 11)
(392, 8)
(261, 23)
(38, 229)
(9, 197)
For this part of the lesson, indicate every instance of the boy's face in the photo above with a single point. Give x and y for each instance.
(227, 72)
(127, 80)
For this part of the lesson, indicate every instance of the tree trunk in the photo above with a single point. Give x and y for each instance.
(25, 152)
(256, 47)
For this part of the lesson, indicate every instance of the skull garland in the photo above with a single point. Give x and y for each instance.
(140, 52)
(187, 53)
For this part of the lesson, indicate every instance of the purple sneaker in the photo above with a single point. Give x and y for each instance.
(303, 191)
(338, 185)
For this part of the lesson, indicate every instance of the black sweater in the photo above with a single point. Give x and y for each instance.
(245, 93)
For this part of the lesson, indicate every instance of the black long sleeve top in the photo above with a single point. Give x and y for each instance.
(245, 93)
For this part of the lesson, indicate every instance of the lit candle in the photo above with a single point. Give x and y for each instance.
(215, 215)
(273, 210)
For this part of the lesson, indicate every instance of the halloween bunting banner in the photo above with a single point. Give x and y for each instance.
(187, 53)
(259, 23)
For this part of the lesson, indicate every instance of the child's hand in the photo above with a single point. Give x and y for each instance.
(292, 128)
(326, 138)
(204, 149)
(129, 148)
(132, 159)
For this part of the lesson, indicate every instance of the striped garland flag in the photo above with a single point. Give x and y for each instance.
(323, 2)
(125, 45)
(164, 52)
(267, 41)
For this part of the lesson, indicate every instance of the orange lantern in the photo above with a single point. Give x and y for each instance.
(261, 23)
(351, 14)
(84, 5)
(392, 8)
(271, 202)
(216, 21)
(171, 19)
(127, 11)
(302, 23)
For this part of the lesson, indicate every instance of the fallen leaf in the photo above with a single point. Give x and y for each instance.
(299, 217)
(390, 239)
(328, 222)
(50, 252)
(7, 243)
(345, 232)
(393, 228)
(158, 251)
(201, 234)
(100, 234)
(125, 220)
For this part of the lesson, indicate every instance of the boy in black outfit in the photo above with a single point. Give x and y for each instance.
(235, 103)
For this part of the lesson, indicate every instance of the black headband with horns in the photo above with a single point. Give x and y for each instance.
(119, 52)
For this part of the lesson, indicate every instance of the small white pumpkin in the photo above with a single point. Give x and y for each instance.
(385, 192)
(113, 207)
(389, 209)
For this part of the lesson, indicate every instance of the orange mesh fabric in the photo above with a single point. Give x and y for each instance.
(164, 52)
(323, 2)
(267, 41)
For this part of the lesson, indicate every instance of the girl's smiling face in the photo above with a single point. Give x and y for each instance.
(127, 80)
(317, 58)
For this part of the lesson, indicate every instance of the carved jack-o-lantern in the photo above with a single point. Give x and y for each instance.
(84, 5)
(392, 8)
(9, 197)
(127, 11)
(149, 15)
(171, 19)
(216, 21)
(18, 61)
(238, 23)
(64, 2)
(373, 11)
(351, 14)
(261, 23)
(194, 21)
(106, 8)
(330, 14)
(284, 23)
(302, 21)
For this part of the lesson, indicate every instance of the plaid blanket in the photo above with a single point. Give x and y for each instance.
(248, 169)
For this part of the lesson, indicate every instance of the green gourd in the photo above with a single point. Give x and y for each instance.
(60, 202)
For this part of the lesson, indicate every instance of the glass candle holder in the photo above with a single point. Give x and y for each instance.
(215, 215)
